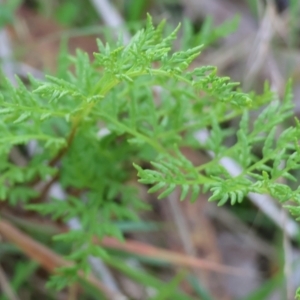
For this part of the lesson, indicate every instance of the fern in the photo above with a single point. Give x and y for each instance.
(117, 91)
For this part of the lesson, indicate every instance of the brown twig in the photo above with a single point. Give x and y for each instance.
(48, 259)
(175, 258)
(142, 249)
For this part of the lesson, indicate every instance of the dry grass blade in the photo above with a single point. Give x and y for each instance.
(261, 47)
(110, 16)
